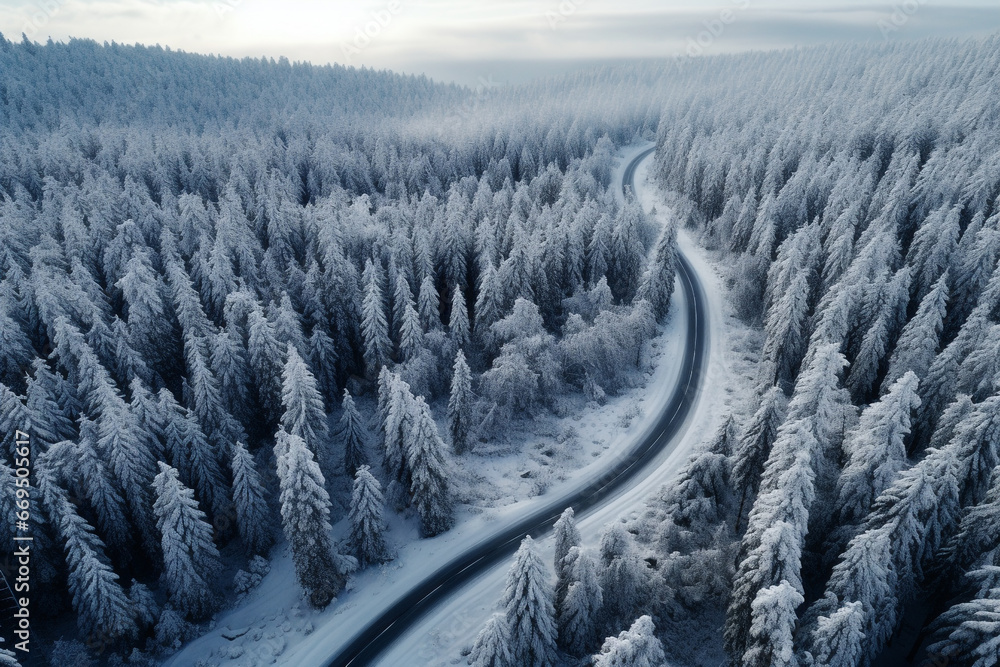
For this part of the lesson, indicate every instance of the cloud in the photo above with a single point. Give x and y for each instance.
(404, 34)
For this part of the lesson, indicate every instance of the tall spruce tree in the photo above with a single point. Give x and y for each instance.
(305, 516)
(367, 538)
(190, 559)
(527, 602)
(460, 405)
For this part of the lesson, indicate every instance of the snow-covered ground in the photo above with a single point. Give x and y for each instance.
(550, 456)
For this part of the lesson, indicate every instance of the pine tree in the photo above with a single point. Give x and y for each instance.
(701, 497)
(50, 423)
(250, 501)
(636, 647)
(755, 446)
(460, 405)
(458, 324)
(623, 577)
(305, 515)
(970, 631)
(527, 602)
(323, 358)
(918, 343)
(367, 537)
(374, 326)
(803, 452)
(411, 335)
(488, 302)
(102, 608)
(267, 360)
(786, 335)
(581, 609)
(567, 536)
(492, 647)
(429, 304)
(838, 639)
(773, 624)
(190, 559)
(98, 486)
(205, 398)
(429, 487)
(627, 252)
(353, 435)
(400, 414)
(304, 414)
(118, 431)
(228, 360)
(658, 282)
(401, 297)
(876, 451)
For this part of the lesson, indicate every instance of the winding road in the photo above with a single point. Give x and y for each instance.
(365, 647)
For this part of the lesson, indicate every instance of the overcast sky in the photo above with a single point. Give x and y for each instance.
(499, 40)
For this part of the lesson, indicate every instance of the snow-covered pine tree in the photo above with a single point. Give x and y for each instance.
(190, 559)
(492, 647)
(884, 311)
(458, 323)
(970, 631)
(250, 501)
(658, 282)
(118, 431)
(102, 608)
(785, 334)
(353, 436)
(228, 359)
(803, 452)
(837, 640)
(754, 447)
(304, 414)
(918, 343)
(460, 405)
(581, 609)
(305, 516)
(636, 647)
(567, 536)
(411, 334)
(374, 325)
(367, 538)
(425, 459)
(400, 413)
(488, 301)
(98, 485)
(267, 361)
(429, 304)
(598, 250)
(624, 577)
(13, 414)
(50, 423)
(323, 358)
(205, 397)
(149, 329)
(627, 252)
(876, 453)
(772, 628)
(527, 602)
(702, 497)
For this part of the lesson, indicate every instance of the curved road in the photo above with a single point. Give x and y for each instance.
(365, 647)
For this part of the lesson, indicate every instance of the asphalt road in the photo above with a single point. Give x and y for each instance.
(365, 647)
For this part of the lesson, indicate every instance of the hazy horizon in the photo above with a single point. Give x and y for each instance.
(491, 42)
